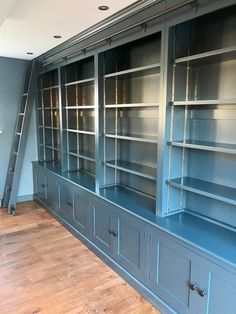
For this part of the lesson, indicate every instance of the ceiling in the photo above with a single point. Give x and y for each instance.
(29, 25)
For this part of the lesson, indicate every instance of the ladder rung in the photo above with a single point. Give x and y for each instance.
(25, 94)
(18, 133)
(21, 114)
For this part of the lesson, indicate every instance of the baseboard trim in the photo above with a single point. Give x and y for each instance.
(25, 198)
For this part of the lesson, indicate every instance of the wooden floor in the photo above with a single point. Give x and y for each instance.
(44, 269)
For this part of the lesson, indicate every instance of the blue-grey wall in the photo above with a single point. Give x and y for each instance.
(12, 74)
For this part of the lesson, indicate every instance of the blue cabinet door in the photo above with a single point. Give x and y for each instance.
(66, 201)
(131, 244)
(52, 192)
(216, 288)
(170, 277)
(82, 212)
(102, 225)
(40, 183)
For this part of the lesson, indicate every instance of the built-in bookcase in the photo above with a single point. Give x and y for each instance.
(131, 75)
(202, 168)
(49, 118)
(78, 116)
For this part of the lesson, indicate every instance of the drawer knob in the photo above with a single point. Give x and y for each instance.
(201, 292)
(193, 286)
(69, 204)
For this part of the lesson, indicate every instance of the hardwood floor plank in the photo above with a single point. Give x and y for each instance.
(45, 269)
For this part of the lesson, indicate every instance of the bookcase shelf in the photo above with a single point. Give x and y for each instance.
(49, 118)
(216, 191)
(78, 122)
(202, 145)
(131, 79)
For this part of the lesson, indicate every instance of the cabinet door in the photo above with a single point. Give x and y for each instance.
(131, 244)
(82, 212)
(216, 288)
(40, 185)
(66, 201)
(102, 226)
(170, 276)
(52, 192)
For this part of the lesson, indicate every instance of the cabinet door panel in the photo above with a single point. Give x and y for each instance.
(222, 296)
(131, 245)
(82, 212)
(66, 201)
(102, 218)
(219, 286)
(41, 184)
(171, 266)
(52, 192)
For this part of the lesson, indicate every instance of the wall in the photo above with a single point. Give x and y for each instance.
(12, 74)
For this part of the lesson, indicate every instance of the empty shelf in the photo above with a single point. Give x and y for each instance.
(130, 199)
(133, 137)
(134, 168)
(81, 177)
(49, 88)
(132, 105)
(216, 191)
(204, 145)
(147, 70)
(217, 55)
(80, 81)
(82, 154)
(204, 102)
(79, 107)
(80, 131)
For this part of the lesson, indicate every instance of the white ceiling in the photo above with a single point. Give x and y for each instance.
(29, 25)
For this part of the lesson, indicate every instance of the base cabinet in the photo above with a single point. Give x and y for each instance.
(121, 236)
(188, 282)
(82, 219)
(66, 201)
(52, 192)
(40, 184)
(180, 276)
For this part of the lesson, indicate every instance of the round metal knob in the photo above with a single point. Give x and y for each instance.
(193, 286)
(201, 292)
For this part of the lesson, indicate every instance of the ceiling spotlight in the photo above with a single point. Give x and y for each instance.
(29, 53)
(57, 36)
(103, 7)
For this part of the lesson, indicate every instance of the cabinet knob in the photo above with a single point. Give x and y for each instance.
(114, 234)
(193, 286)
(201, 292)
(69, 204)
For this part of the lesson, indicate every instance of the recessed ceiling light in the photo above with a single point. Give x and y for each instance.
(103, 7)
(57, 36)
(29, 53)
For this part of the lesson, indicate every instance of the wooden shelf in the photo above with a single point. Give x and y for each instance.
(80, 107)
(80, 131)
(81, 177)
(204, 145)
(133, 137)
(132, 105)
(217, 55)
(82, 154)
(205, 102)
(216, 191)
(49, 88)
(129, 198)
(80, 81)
(133, 168)
(147, 70)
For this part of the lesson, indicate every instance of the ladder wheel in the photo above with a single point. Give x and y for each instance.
(12, 211)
